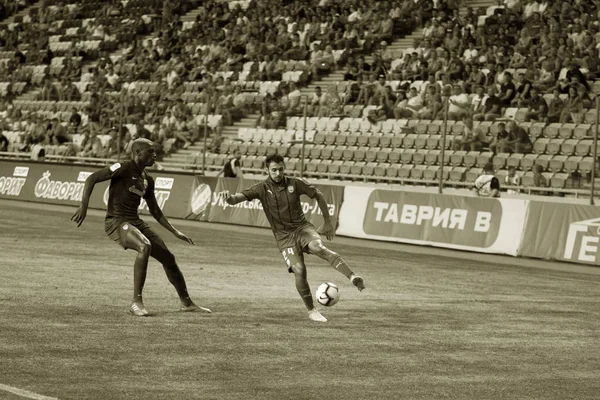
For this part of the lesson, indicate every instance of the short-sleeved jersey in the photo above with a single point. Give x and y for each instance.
(128, 185)
(486, 183)
(281, 203)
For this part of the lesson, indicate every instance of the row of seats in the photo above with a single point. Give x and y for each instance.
(364, 126)
(47, 105)
(382, 170)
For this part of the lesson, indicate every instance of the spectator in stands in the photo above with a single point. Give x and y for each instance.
(432, 104)
(555, 107)
(512, 179)
(458, 106)
(537, 108)
(522, 89)
(56, 133)
(487, 185)
(499, 141)
(470, 139)
(233, 167)
(411, 108)
(315, 102)
(519, 141)
(573, 110)
(478, 101)
(3, 142)
(507, 90)
(539, 180)
(91, 146)
(331, 104)
(491, 107)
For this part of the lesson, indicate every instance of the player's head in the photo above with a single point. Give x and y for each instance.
(237, 154)
(142, 150)
(275, 167)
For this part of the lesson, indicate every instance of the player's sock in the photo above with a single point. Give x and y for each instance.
(307, 298)
(178, 281)
(338, 263)
(140, 267)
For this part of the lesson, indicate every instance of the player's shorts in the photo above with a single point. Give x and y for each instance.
(118, 228)
(294, 244)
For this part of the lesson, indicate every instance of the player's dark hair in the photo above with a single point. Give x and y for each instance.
(276, 158)
(489, 167)
(140, 144)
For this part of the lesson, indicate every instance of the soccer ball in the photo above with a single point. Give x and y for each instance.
(328, 294)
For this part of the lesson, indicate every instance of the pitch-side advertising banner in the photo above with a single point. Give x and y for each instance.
(63, 184)
(562, 232)
(251, 212)
(458, 222)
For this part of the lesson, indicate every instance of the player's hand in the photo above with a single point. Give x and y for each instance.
(225, 195)
(184, 237)
(79, 216)
(327, 230)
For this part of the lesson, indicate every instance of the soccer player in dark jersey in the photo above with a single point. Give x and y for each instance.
(129, 183)
(280, 198)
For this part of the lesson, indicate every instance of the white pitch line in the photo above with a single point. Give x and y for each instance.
(25, 393)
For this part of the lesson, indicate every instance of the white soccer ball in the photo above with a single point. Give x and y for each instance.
(328, 294)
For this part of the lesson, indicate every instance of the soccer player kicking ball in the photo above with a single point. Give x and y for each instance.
(129, 182)
(280, 198)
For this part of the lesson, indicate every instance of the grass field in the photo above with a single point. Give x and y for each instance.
(428, 327)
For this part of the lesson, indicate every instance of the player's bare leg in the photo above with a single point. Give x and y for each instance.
(317, 248)
(299, 270)
(138, 242)
(175, 276)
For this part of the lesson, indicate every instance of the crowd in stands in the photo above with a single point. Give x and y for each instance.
(250, 55)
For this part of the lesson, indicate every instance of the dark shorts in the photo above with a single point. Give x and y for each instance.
(294, 244)
(117, 229)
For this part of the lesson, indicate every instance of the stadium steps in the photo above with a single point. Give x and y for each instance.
(21, 13)
(193, 154)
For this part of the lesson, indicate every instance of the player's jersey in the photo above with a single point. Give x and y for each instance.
(128, 185)
(486, 183)
(281, 203)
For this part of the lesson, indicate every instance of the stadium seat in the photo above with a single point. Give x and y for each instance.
(338, 152)
(472, 174)
(417, 171)
(484, 158)
(357, 168)
(409, 141)
(470, 159)
(434, 142)
(327, 152)
(514, 160)
(371, 154)
(383, 154)
(536, 130)
(419, 157)
(543, 160)
(352, 139)
(404, 170)
(385, 141)
(392, 171)
(566, 130)
(528, 161)
(586, 164)
(315, 151)
(320, 138)
(334, 167)
(395, 155)
(373, 140)
(559, 180)
(323, 166)
(348, 153)
(398, 140)
(380, 169)
(446, 173)
(432, 157)
(552, 130)
(581, 131)
(572, 164)
(369, 168)
(539, 146)
(568, 147)
(583, 148)
(557, 163)
(360, 154)
(457, 174)
(499, 160)
(430, 172)
(457, 158)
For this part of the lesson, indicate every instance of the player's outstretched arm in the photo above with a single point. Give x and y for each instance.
(232, 199)
(327, 229)
(162, 219)
(98, 176)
